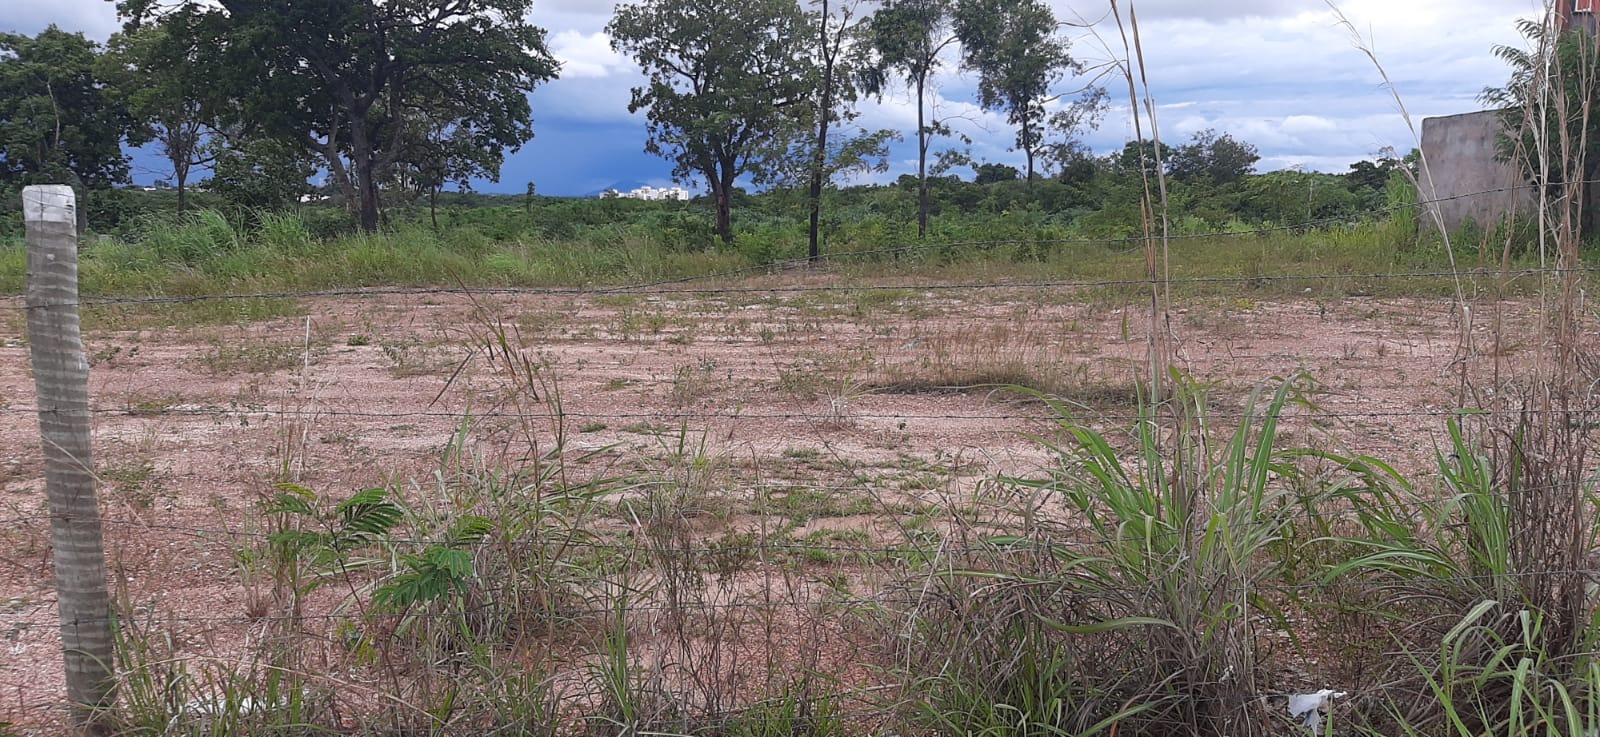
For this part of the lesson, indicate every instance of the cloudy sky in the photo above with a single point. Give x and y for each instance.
(1284, 75)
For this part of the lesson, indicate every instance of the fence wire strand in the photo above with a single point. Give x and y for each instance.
(666, 286)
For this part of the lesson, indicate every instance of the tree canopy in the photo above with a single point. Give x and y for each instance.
(908, 37)
(728, 86)
(1550, 129)
(59, 124)
(1018, 56)
(157, 76)
(358, 83)
(1216, 157)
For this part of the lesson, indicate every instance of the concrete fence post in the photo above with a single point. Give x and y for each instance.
(61, 375)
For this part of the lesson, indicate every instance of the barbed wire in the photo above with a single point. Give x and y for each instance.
(995, 538)
(790, 597)
(1259, 281)
(1108, 240)
(665, 286)
(997, 543)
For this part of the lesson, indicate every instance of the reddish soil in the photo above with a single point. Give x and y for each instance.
(792, 390)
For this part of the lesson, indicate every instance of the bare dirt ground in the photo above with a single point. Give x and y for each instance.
(843, 397)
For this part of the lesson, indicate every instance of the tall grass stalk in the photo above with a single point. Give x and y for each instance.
(1155, 218)
(1491, 573)
(1146, 619)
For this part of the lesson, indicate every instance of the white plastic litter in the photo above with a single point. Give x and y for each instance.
(204, 710)
(218, 707)
(1310, 708)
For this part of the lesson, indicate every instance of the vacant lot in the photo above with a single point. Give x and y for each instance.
(822, 442)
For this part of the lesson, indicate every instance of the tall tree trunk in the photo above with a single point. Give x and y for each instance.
(720, 177)
(1027, 149)
(180, 141)
(367, 189)
(819, 159)
(339, 173)
(922, 164)
(814, 248)
(724, 214)
(61, 375)
(80, 193)
(433, 206)
(364, 160)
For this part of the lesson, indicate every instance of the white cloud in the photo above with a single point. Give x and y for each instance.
(585, 55)
(1281, 74)
(96, 19)
(575, 7)
(583, 16)
(1150, 10)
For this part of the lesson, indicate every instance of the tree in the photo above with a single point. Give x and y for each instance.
(1370, 176)
(1013, 46)
(1551, 130)
(358, 82)
(1294, 197)
(160, 79)
(259, 173)
(1369, 180)
(908, 37)
(991, 173)
(1063, 151)
(1209, 156)
(441, 154)
(727, 87)
(1072, 161)
(58, 122)
(837, 93)
(1140, 155)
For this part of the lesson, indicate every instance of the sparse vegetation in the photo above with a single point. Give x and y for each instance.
(983, 499)
(1149, 580)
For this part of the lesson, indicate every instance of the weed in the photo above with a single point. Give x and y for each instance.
(188, 314)
(266, 358)
(109, 356)
(1507, 543)
(649, 428)
(817, 374)
(1169, 560)
(414, 357)
(691, 383)
(163, 694)
(802, 504)
(137, 484)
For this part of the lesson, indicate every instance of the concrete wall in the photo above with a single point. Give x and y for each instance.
(1460, 151)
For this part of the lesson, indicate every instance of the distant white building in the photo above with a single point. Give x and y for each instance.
(648, 192)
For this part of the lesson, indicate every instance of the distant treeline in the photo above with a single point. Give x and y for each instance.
(392, 106)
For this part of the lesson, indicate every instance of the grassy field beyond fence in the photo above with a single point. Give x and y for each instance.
(207, 253)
